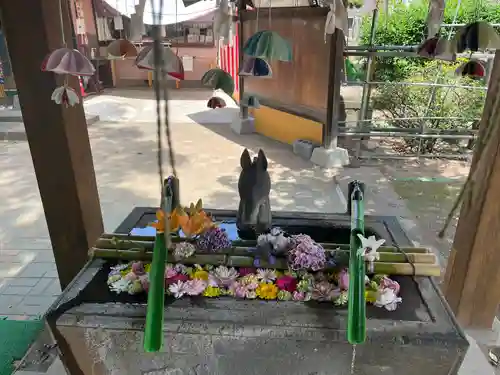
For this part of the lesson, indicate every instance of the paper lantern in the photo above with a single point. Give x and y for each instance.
(171, 62)
(268, 45)
(477, 36)
(121, 48)
(216, 102)
(255, 66)
(68, 61)
(437, 48)
(472, 69)
(218, 79)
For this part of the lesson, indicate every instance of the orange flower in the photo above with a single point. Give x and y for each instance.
(175, 220)
(196, 224)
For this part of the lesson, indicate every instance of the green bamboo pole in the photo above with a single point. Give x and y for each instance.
(356, 323)
(153, 335)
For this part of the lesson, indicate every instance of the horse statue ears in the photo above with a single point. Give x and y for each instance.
(260, 161)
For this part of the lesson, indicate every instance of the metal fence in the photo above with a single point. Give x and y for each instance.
(365, 126)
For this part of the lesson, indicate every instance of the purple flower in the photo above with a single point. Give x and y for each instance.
(138, 268)
(213, 239)
(194, 287)
(305, 254)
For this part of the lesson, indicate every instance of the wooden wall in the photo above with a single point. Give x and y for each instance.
(303, 81)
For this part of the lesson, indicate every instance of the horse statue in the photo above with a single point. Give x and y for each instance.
(254, 186)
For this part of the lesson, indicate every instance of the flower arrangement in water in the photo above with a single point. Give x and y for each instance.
(254, 283)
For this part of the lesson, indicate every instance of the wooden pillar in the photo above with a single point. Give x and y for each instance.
(57, 136)
(472, 280)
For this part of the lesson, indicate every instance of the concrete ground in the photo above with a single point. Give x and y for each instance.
(207, 158)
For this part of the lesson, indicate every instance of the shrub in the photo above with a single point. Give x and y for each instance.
(403, 101)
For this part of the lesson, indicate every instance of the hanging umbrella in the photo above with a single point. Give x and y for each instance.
(472, 69)
(251, 101)
(268, 45)
(218, 79)
(437, 48)
(121, 48)
(172, 63)
(68, 61)
(477, 36)
(216, 102)
(257, 67)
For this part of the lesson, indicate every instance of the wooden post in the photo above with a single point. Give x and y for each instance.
(57, 136)
(335, 73)
(472, 280)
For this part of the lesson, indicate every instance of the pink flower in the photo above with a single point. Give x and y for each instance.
(390, 284)
(246, 271)
(138, 268)
(344, 279)
(179, 277)
(288, 283)
(195, 287)
(177, 289)
(131, 276)
(324, 291)
(170, 272)
(298, 296)
(145, 283)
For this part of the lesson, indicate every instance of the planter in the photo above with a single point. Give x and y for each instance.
(100, 332)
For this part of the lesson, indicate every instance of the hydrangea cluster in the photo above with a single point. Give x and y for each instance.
(306, 254)
(213, 239)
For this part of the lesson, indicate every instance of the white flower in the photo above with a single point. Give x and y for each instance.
(120, 286)
(387, 298)
(369, 247)
(65, 95)
(225, 276)
(266, 275)
(184, 250)
(177, 289)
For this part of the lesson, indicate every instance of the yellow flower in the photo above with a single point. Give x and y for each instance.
(176, 219)
(370, 296)
(211, 291)
(267, 291)
(147, 267)
(125, 272)
(200, 274)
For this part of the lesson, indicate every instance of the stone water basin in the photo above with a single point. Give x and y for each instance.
(100, 333)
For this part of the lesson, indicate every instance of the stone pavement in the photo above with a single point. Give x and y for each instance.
(207, 158)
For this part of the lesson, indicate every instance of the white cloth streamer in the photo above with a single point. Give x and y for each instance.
(336, 18)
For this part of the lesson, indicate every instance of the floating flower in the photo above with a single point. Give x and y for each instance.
(370, 296)
(214, 239)
(135, 287)
(342, 299)
(238, 289)
(324, 291)
(201, 275)
(266, 275)
(246, 271)
(212, 291)
(276, 240)
(175, 219)
(386, 282)
(225, 276)
(138, 268)
(251, 294)
(195, 287)
(288, 283)
(114, 278)
(170, 272)
(65, 95)
(343, 279)
(118, 268)
(250, 279)
(177, 278)
(304, 285)
(184, 250)
(131, 276)
(119, 286)
(387, 298)
(178, 289)
(144, 282)
(267, 291)
(181, 268)
(298, 296)
(305, 254)
(284, 295)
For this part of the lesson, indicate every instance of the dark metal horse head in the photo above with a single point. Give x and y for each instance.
(254, 186)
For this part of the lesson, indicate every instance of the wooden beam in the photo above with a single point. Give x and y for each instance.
(57, 136)
(472, 280)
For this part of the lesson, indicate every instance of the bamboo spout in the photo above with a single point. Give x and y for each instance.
(356, 324)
